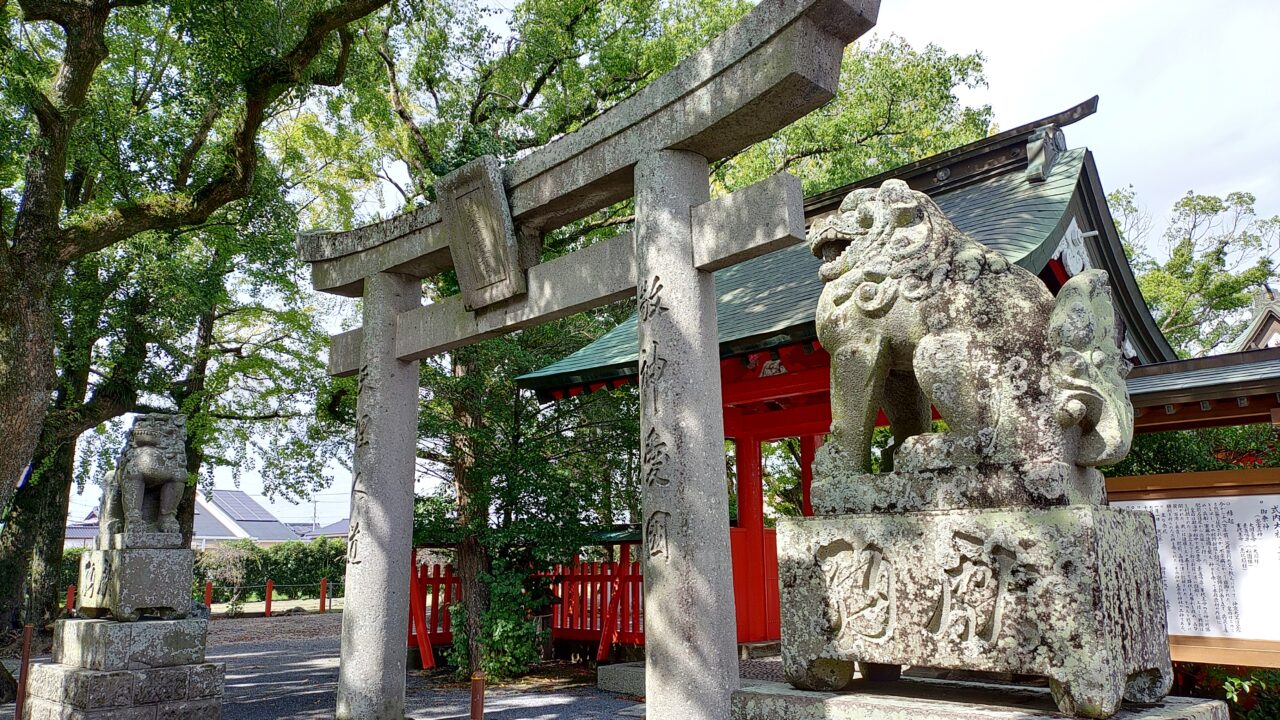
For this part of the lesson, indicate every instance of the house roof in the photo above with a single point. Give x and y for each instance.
(770, 300)
(1264, 329)
(1214, 377)
(82, 530)
(206, 526)
(340, 528)
(239, 509)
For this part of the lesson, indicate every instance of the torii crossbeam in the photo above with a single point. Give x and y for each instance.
(774, 66)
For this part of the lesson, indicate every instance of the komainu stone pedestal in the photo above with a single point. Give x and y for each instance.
(107, 670)
(1067, 593)
(939, 700)
(128, 583)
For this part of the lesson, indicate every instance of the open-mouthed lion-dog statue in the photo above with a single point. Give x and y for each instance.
(915, 313)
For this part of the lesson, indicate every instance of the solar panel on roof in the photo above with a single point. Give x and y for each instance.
(240, 506)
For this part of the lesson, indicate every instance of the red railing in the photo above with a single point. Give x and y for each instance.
(599, 602)
(604, 602)
(432, 590)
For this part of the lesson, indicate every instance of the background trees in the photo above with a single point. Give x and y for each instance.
(156, 158)
(1200, 276)
(124, 117)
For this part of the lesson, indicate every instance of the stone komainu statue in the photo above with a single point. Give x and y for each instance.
(144, 489)
(987, 546)
(915, 313)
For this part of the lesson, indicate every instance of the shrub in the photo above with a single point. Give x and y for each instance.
(71, 566)
(1250, 693)
(296, 568)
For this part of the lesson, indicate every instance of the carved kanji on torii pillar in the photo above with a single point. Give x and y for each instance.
(774, 66)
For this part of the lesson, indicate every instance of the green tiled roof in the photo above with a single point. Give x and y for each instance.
(1262, 367)
(770, 300)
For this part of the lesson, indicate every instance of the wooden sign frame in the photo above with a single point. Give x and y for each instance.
(1218, 483)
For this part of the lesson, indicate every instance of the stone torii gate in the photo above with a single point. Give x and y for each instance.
(777, 64)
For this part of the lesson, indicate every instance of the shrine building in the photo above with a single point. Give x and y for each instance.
(1022, 192)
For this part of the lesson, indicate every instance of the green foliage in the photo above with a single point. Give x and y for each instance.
(240, 569)
(895, 104)
(1200, 279)
(1202, 450)
(1250, 693)
(71, 565)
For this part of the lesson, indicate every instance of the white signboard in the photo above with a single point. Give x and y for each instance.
(1221, 562)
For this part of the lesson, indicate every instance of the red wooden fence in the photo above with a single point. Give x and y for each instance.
(604, 602)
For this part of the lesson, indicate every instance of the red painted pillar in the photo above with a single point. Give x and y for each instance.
(71, 598)
(751, 520)
(809, 445)
(208, 593)
(324, 593)
(271, 585)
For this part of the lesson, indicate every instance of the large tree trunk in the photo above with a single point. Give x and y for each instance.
(473, 557)
(26, 369)
(36, 504)
(47, 590)
(189, 396)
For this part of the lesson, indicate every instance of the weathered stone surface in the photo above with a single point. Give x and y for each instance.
(143, 539)
(748, 223)
(163, 643)
(39, 709)
(206, 681)
(482, 236)
(190, 710)
(142, 492)
(92, 644)
(81, 689)
(159, 685)
(691, 663)
(622, 678)
(938, 700)
(127, 584)
(1071, 594)
(371, 676)
(917, 314)
(110, 645)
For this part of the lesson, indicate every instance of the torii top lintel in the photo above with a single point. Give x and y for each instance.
(773, 67)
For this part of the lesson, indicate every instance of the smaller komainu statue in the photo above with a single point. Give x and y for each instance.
(916, 314)
(150, 473)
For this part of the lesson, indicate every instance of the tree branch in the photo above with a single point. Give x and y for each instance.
(263, 86)
(402, 111)
(197, 142)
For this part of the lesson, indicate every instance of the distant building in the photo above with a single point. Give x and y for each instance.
(1263, 330)
(339, 530)
(81, 534)
(232, 515)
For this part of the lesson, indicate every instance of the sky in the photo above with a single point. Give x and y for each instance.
(1189, 100)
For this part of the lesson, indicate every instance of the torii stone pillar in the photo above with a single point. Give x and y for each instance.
(691, 661)
(371, 673)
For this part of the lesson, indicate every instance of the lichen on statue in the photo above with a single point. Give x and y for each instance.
(916, 314)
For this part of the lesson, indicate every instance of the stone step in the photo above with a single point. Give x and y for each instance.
(940, 700)
(110, 645)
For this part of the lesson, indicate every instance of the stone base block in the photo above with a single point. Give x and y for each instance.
(939, 700)
(1072, 594)
(110, 645)
(137, 539)
(185, 691)
(621, 678)
(127, 584)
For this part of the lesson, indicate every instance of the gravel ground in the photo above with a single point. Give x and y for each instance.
(295, 679)
(286, 668)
